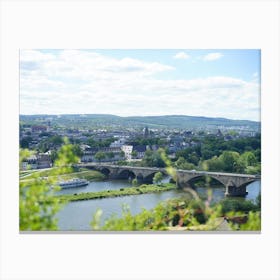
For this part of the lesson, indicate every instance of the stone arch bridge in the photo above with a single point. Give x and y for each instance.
(235, 184)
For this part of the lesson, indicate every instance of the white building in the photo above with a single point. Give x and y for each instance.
(118, 143)
(127, 149)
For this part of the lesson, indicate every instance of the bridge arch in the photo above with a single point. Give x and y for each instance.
(192, 180)
(249, 182)
(105, 171)
(149, 178)
(140, 177)
(126, 174)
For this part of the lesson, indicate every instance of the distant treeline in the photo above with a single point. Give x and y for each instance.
(169, 121)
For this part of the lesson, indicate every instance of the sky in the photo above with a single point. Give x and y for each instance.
(211, 83)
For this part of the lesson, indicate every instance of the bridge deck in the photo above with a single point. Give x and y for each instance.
(193, 172)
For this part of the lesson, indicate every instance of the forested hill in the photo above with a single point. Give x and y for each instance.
(182, 121)
(169, 121)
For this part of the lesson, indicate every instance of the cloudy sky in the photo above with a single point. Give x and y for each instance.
(212, 83)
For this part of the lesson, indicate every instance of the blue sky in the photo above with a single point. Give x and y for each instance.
(212, 83)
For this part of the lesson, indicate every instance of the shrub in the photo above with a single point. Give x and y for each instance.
(235, 204)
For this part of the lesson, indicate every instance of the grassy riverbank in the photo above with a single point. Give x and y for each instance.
(90, 175)
(121, 192)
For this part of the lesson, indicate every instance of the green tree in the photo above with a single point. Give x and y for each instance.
(153, 159)
(91, 142)
(94, 143)
(213, 164)
(134, 182)
(181, 163)
(247, 163)
(240, 165)
(253, 169)
(257, 154)
(24, 142)
(100, 156)
(77, 150)
(158, 177)
(56, 140)
(44, 146)
(110, 155)
(53, 155)
(249, 158)
(134, 154)
(230, 161)
(193, 158)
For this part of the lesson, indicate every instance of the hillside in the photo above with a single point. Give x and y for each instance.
(169, 121)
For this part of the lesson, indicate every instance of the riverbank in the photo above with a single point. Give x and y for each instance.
(89, 175)
(143, 189)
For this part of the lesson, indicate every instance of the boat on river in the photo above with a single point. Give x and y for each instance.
(73, 183)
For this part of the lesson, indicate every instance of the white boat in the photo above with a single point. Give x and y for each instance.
(76, 182)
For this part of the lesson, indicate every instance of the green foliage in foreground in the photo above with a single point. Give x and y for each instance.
(114, 193)
(36, 212)
(36, 209)
(188, 213)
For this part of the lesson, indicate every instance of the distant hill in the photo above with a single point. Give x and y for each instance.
(181, 121)
(169, 121)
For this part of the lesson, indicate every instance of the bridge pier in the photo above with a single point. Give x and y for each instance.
(113, 176)
(146, 181)
(232, 191)
(183, 185)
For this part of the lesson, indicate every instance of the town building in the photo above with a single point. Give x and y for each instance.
(39, 128)
(127, 149)
(118, 143)
(146, 132)
(110, 154)
(139, 150)
(38, 161)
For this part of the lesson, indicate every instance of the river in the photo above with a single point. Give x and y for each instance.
(77, 215)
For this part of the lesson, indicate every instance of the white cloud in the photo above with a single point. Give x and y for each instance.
(212, 56)
(35, 82)
(35, 56)
(88, 82)
(181, 55)
(86, 65)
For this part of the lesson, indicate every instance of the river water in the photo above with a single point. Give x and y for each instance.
(77, 215)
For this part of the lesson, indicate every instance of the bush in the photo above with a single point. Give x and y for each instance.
(37, 203)
(189, 213)
(235, 204)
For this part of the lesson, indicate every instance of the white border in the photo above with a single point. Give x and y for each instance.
(157, 24)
